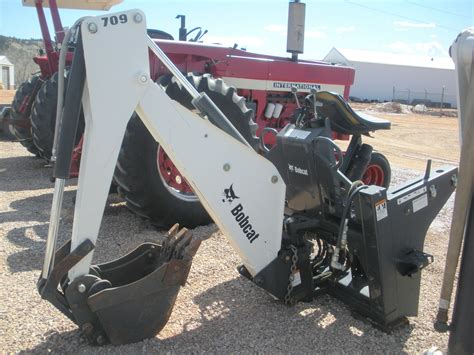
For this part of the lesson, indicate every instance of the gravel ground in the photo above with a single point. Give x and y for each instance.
(218, 311)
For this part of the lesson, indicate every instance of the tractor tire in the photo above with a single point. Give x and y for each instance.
(138, 175)
(6, 133)
(21, 111)
(43, 118)
(378, 171)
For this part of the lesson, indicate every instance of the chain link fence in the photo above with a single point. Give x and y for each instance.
(433, 100)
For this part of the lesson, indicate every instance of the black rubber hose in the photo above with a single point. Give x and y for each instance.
(345, 213)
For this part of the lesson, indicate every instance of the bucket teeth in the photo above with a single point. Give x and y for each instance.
(180, 244)
(179, 248)
(173, 230)
(175, 241)
(174, 235)
(191, 249)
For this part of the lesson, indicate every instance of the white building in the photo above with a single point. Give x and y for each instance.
(7, 75)
(389, 76)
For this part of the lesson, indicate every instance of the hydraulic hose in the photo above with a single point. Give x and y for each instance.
(355, 188)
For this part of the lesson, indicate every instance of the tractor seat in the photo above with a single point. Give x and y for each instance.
(344, 119)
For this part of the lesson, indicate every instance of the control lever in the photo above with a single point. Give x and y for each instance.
(314, 92)
(294, 90)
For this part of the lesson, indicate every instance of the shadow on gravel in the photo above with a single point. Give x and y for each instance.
(239, 317)
(59, 343)
(233, 320)
(34, 175)
(6, 136)
(32, 239)
(35, 208)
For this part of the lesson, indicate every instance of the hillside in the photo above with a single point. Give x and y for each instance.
(21, 52)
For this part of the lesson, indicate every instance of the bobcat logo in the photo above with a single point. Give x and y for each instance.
(229, 195)
(239, 214)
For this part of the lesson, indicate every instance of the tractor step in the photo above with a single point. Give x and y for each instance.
(128, 299)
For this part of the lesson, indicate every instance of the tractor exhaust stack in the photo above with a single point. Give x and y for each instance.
(295, 35)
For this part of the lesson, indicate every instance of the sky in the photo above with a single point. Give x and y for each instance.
(417, 27)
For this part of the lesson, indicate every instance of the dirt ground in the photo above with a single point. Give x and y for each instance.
(414, 138)
(6, 96)
(218, 311)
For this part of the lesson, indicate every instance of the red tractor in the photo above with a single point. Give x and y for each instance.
(260, 94)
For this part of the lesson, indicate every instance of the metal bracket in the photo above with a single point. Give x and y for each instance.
(413, 262)
(63, 262)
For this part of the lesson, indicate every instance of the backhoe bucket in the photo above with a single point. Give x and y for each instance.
(128, 299)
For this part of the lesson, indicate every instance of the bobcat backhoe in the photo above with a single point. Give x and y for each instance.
(299, 225)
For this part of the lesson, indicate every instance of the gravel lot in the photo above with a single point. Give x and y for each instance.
(218, 311)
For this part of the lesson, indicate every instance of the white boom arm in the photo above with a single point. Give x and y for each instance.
(462, 52)
(117, 84)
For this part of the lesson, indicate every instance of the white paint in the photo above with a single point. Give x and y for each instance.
(269, 110)
(381, 210)
(443, 304)
(420, 203)
(296, 279)
(5, 64)
(185, 136)
(278, 109)
(297, 133)
(411, 195)
(109, 101)
(277, 85)
(375, 80)
(377, 57)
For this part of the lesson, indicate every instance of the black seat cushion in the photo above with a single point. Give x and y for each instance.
(344, 119)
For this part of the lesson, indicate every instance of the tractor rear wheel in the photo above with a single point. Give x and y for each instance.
(378, 171)
(43, 118)
(148, 180)
(21, 111)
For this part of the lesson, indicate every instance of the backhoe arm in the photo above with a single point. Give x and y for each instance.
(117, 83)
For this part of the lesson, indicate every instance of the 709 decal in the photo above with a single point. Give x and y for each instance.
(114, 20)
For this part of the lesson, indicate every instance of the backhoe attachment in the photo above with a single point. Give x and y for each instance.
(125, 300)
(299, 224)
(131, 298)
